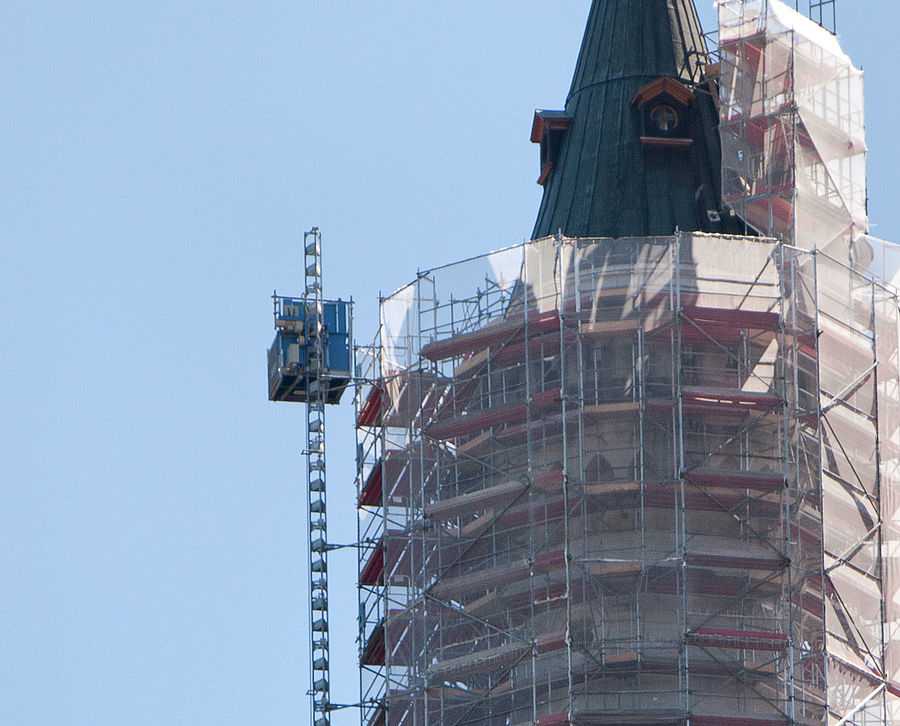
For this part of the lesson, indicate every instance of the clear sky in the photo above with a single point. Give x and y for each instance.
(161, 161)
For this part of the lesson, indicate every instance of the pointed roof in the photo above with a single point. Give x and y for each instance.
(603, 180)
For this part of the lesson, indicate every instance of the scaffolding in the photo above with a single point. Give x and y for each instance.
(824, 12)
(634, 481)
(651, 481)
(792, 128)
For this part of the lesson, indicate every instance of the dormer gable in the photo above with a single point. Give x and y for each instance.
(664, 105)
(549, 129)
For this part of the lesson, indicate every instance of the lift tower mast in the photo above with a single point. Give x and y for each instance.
(310, 362)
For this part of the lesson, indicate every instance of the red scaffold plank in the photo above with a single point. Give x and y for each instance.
(548, 480)
(374, 652)
(698, 334)
(807, 536)
(550, 561)
(550, 424)
(758, 481)
(542, 345)
(736, 721)
(488, 659)
(541, 512)
(708, 334)
(610, 328)
(734, 562)
(491, 334)
(475, 422)
(666, 496)
(547, 597)
(722, 326)
(474, 501)
(738, 639)
(538, 346)
(399, 470)
(409, 395)
(744, 319)
(481, 580)
(498, 576)
(727, 401)
(372, 573)
(483, 661)
(634, 718)
(557, 719)
(550, 643)
(717, 403)
(661, 496)
(811, 604)
(370, 496)
(370, 415)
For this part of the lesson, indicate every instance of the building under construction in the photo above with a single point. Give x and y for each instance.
(645, 469)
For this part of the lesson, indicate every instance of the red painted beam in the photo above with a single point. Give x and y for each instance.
(373, 572)
(758, 481)
(749, 319)
(735, 721)
(371, 410)
(738, 639)
(493, 333)
(373, 487)
(489, 418)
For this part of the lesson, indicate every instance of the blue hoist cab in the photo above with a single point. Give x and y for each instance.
(294, 371)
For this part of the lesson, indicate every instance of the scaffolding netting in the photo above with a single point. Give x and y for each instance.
(792, 127)
(632, 481)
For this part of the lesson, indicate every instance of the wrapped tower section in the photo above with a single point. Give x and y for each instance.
(792, 127)
(641, 481)
(793, 159)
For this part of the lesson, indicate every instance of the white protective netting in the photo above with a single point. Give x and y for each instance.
(793, 128)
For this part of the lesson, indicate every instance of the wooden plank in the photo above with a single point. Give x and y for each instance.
(613, 488)
(613, 569)
(474, 501)
(476, 527)
(609, 329)
(472, 363)
(602, 409)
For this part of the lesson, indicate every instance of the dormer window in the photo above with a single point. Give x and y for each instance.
(549, 129)
(664, 104)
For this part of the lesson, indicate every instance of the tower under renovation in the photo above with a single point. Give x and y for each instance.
(645, 469)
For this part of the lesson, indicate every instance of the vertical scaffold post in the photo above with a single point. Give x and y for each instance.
(315, 456)
(824, 12)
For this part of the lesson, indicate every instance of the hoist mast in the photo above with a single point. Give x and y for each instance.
(310, 362)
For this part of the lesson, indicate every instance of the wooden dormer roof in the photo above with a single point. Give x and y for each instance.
(664, 85)
(549, 120)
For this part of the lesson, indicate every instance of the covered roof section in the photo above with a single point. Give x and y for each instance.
(636, 150)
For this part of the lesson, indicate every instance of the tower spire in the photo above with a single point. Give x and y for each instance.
(626, 157)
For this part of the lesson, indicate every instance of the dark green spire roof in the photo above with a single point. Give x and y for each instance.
(600, 178)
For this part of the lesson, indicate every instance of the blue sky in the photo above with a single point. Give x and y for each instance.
(161, 162)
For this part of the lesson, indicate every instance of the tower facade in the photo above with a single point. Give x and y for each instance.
(644, 468)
